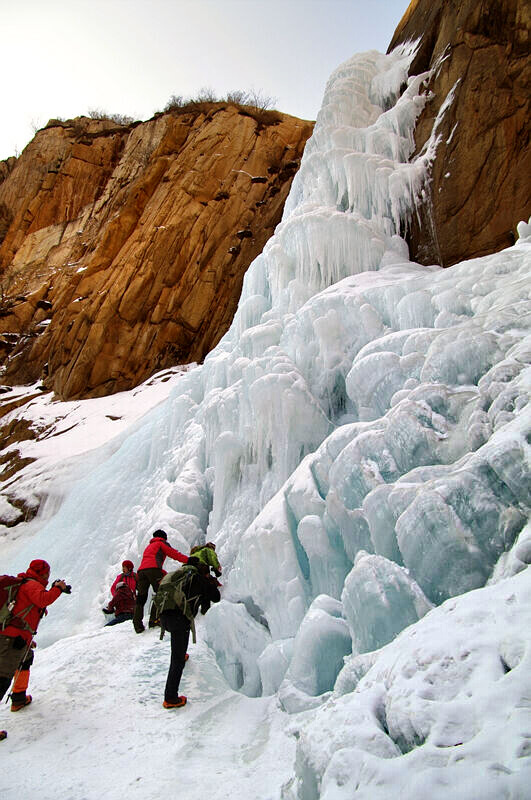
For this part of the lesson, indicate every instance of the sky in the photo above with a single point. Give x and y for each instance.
(63, 58)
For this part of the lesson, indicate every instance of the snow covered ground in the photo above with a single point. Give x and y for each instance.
(358, 446)
(70, 438)
(98, 728)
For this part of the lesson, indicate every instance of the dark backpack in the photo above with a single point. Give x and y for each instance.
(172, 595)
(9, 586)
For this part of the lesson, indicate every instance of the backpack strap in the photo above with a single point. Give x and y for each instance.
(22, 617)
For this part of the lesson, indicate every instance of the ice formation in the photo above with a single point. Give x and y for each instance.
(358, 447)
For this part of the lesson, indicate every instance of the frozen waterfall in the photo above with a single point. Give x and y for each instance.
(357, 446)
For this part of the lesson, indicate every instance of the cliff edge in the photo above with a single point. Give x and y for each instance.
(123, 247)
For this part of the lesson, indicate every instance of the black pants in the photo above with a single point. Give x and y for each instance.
(151, 576)
(179, 628)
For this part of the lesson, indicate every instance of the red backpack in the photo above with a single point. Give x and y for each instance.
(9, 586)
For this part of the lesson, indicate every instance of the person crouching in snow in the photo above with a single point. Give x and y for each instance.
(122, 604)
(16, 637)
(150, 573)
(127, 575)
(180, 596)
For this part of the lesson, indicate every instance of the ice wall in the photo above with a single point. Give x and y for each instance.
(357, 445)
(442, 710)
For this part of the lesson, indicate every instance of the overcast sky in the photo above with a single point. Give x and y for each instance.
(61, 58)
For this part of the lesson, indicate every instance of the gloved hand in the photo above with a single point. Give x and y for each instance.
(107, 611)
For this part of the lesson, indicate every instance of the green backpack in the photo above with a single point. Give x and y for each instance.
(171, 595)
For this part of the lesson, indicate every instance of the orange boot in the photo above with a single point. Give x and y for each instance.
(179, 703)
(19, 698)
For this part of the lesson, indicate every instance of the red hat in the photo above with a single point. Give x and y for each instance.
(128, 564)
(40, 567)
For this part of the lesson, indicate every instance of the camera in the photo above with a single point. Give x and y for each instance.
(66, 590)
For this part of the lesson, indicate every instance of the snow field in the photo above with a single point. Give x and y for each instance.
(97, 727)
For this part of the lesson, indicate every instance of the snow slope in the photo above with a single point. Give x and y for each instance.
(358, 447)
(98, 728)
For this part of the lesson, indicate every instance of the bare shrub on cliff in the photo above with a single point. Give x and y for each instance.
(251, 103)
(175, 101)
(262, 102)
(239, 97)
(205, 95)
(100, 114)
(257, 105)
(97, 113)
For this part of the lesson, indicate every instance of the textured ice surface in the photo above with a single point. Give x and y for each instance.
(444, 707)
(380, 600)
(237, 640)
(319, 648)
(358, 448)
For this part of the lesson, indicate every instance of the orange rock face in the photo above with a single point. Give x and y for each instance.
(123, 248)
(480, 187)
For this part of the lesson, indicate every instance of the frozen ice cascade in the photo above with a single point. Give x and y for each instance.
(357, 446)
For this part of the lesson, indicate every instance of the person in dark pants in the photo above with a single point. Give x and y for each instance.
(200, 591)
(150, 573)
(19, 697)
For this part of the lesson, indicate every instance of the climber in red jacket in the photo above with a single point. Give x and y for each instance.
(16, 637)
(127, 576)
(150, 573)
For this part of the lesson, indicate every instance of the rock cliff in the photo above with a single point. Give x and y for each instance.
(480, 186)
(123, 247)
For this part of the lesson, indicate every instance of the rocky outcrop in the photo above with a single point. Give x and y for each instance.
(123, 247)
(480, 187)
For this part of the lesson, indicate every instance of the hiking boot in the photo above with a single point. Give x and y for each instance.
(16, 706)
(3, 735)
(181, 701)
(140, 628)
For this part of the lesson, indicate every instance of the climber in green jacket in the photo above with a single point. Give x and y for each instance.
(206, 553)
